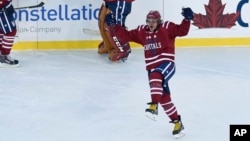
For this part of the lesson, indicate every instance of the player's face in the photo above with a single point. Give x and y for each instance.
(152, 23)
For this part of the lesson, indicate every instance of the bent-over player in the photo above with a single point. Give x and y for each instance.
(116, 50)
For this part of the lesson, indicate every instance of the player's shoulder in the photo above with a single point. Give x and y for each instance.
(166, 24)
(142, 27)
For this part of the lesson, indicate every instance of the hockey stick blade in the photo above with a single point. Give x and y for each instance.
(33, 6)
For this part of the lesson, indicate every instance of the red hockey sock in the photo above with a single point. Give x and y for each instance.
(1, 40)
(7, 42)
(169, 107)
(156, 89)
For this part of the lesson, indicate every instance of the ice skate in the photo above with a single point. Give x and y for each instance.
(178, 128)
(152, 111)
(7, 61)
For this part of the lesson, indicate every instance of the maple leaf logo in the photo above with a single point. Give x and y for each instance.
(215, 17)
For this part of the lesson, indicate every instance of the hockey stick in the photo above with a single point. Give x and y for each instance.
(91, 31)
(33, 6)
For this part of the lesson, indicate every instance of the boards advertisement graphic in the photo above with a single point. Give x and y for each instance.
(67, 24)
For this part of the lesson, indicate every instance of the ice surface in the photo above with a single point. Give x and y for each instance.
(81, 96)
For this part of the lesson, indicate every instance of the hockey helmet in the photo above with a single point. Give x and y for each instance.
(154, 15)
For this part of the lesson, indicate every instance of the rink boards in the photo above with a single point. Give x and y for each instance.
(93, 44)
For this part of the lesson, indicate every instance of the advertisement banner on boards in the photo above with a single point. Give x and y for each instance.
(67, 20)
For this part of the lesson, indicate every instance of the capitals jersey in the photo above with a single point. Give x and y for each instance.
(159, 46)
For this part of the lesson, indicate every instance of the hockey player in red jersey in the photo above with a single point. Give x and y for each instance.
(121, 9)
(158, 40)
(7, 33)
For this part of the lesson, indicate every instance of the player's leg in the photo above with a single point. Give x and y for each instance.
(7, 41)
(166, 102)
(156, 91)
(172, 113)
(1, 41)
(7, 32)
(120, 9)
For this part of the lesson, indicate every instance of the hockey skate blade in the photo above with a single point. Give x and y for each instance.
(2, 65)
(180, 135)
(151, 116)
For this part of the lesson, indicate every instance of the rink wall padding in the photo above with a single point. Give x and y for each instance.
(93, 44)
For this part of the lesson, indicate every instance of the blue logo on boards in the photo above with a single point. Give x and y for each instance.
(239, 8)
(61, 13)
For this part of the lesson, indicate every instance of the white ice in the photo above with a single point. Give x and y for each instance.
(80, 96)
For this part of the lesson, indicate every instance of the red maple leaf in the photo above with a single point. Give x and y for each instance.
(214, 16)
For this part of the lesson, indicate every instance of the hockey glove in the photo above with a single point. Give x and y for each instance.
(110, 19)
(187, 13)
